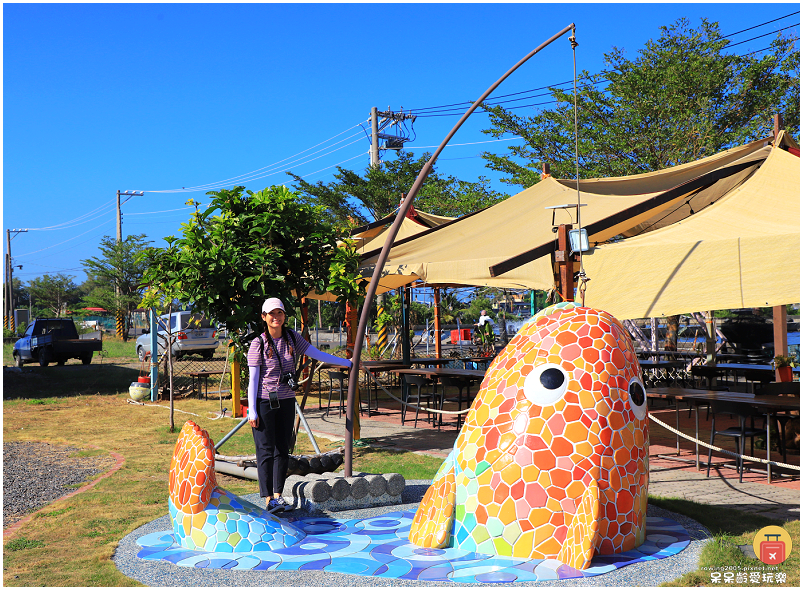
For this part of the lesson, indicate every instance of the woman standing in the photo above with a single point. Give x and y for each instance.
(271, 398)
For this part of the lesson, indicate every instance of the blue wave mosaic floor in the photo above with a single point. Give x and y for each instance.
(379, 547)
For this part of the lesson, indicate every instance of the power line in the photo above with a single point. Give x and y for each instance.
(165, 211)
(421, 147)
(244, 177)
(759, 36)
(761, 25)
(427, 111)
(66, 224)
(321, 169)
(54, 245)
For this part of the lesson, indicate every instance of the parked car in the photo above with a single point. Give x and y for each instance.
(54, 340)
(193, 333)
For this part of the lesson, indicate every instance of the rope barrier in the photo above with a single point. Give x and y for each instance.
(412, 405)
(715, 448)
(134, 402)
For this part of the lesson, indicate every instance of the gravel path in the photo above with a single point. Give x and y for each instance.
(160, 573)
(36, 473)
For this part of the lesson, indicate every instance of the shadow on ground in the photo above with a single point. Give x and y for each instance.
(33, 382)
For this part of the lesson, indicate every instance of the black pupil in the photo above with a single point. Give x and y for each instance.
(637, 393)
(552, 378)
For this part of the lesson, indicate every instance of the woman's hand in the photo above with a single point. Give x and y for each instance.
(253, 422)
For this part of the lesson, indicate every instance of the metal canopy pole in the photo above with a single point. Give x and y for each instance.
(392, 233)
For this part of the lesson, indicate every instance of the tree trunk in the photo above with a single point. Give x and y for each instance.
(671, 341)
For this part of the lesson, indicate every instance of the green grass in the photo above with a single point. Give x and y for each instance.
(409, 465)
(117, 349)
(730, 528)
(22, 543)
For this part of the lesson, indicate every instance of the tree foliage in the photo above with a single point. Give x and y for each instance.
(54, 293)
(117, 267)
(359, 199)
(683, 97)
(244, 248)
(346, 281)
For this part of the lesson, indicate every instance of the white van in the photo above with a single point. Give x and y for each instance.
(193, 334)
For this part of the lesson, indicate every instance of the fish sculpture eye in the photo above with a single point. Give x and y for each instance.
(546, 384)
(637, 398)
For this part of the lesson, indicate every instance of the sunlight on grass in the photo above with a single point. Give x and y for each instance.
(730, 528)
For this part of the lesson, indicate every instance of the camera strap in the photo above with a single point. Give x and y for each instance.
(275, 350)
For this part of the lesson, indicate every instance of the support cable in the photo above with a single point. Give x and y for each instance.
(718, 449)
(582, 274)
(408, 405)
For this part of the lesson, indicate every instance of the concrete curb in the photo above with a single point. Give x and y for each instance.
(332, 492)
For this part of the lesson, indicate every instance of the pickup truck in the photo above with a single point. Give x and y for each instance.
(54, 340)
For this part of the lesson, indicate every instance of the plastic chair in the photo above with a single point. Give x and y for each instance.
(419, 381)
(461, 384)
(740, 433)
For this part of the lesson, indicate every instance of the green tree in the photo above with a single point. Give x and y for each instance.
(681, 98)
(115, 276)
(473, 310)
(20, 291)
(243, 248)
(359, 199)
(54, 293)
(449, 306)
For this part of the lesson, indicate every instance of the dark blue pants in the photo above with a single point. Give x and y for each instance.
(272, 439)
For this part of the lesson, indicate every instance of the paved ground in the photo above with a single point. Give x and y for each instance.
(668, 478)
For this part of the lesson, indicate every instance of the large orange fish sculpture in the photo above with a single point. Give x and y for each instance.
(552, 460)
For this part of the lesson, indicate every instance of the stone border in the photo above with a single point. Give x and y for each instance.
(334, 492)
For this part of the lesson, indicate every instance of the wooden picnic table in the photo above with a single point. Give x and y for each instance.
(473, 374)
(768, 404)
(673, 353)
(438, 372)
(202, 376)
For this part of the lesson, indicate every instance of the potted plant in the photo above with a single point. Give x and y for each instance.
(784, 365)
(487, 337)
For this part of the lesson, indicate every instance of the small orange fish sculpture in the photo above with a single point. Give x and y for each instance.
(552, 460)
(207, 517)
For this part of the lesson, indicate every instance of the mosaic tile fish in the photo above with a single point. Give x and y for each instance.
(209, 518)
(552, 460)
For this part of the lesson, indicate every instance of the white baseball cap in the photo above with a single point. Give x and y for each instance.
(271, 304)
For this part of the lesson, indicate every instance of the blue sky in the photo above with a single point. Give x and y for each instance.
(156, 97)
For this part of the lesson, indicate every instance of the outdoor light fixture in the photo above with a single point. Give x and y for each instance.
(579, 240)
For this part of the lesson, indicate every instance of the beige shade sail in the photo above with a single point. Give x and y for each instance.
(738, 252)
(462, 252)
(374, 236)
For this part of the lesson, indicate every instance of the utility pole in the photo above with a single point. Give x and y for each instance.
(8, 320)
(374, 154)
(380, 120)
(120, 319)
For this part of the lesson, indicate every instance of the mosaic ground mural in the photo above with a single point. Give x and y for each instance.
(379, 547)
